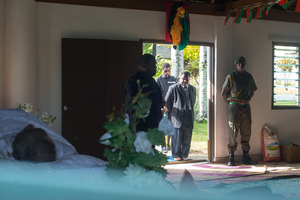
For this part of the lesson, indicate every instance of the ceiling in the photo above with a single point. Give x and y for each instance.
(204, 7)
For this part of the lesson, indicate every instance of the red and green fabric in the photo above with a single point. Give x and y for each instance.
(260, 10)
(269, 6)
(249, 13)
(238, 17)
(185, 35)
(167, 33)
(285, 3)
(298, 6)
(229, 13)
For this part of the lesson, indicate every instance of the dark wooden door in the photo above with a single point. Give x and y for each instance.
(94, 73)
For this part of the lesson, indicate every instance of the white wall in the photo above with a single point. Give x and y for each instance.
(55, 21)
(2, 58)
(253, 42)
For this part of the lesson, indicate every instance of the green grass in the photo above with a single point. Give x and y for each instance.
(199, 138)
(285, 103)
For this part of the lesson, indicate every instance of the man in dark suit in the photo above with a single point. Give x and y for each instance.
(180, 101)
(146, 69)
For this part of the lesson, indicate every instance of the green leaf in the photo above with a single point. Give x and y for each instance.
(117, 141)
(150, 161)
(156, 137)
(118, 126)
(130, 140)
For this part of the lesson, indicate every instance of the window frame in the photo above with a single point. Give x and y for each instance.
(273, 75)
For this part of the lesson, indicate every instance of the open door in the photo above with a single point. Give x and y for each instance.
(94, 73)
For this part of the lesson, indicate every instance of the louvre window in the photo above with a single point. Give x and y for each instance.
(285, 76)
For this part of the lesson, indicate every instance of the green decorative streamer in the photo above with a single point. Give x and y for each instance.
(287, 4)
(239, 17)
(229, 13)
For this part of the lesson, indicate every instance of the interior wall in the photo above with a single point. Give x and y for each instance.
(257, 49)
(254, 42)
(55, 21)
(2, 57)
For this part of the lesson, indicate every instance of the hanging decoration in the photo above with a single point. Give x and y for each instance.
(298, 6)
(249, 13)
(261, 7)
(178, 25)
(269, 6)
(168, 11)
(285, 3)
(238, 17)
(228, 16)
(260, 10)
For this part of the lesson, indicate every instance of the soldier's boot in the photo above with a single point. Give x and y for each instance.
(231, 158)
(247, 160)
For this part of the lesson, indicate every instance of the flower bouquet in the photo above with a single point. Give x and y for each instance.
(129, 149)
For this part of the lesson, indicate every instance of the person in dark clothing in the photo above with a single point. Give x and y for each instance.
(237, 91)
(180, 101)
(164, 81)
(146, 69)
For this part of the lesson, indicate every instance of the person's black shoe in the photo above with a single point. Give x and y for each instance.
(231, 158)
(247, 160)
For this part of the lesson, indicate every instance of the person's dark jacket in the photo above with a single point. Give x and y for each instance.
(131, 89)
(175, 103)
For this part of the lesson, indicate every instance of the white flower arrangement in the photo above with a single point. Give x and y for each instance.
(128, 148)
(105, 139)
(140, 178)
(142, 144)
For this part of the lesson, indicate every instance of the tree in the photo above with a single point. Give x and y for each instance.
(286, 65)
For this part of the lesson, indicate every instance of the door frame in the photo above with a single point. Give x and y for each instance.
(210, 93)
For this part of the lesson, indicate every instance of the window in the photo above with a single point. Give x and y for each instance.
(286, 80)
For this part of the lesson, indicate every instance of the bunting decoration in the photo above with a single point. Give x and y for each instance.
(249, 13)
(178, 25)
(281, 2)
(229, 13)
(238, 17)
(298, 6)
(261, 7)
(260, 10)
(269, 6)
(285, 3)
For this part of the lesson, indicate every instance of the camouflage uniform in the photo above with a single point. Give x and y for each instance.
(240, 88)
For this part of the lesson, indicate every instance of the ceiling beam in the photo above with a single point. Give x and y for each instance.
(242, 3)
(152, 5)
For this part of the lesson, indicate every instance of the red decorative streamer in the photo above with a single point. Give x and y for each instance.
(298, 6)
(249, 13)
(167, 33)
(228, 16)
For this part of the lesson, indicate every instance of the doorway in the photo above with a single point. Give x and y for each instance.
(197, 59)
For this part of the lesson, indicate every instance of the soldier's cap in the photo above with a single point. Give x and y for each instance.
(239, 59)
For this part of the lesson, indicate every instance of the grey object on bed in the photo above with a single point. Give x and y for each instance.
(12, 121)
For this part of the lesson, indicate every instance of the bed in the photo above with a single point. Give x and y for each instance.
(71, 176)
(74, 176)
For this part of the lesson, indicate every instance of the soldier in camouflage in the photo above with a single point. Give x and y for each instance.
(237, 91)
